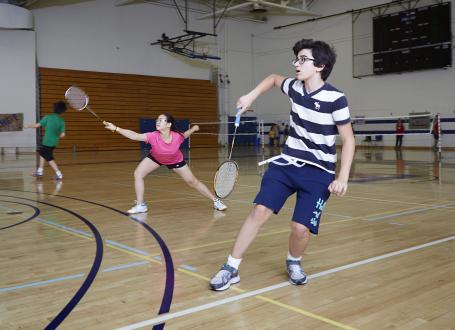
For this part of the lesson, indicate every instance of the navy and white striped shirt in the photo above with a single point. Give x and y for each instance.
(313, 121)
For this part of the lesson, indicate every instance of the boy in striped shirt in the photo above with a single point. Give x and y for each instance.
(307, 165)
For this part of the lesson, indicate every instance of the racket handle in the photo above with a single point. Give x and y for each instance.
(237, 118)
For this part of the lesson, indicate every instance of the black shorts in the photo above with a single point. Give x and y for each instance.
(46, 152)
(169, 166)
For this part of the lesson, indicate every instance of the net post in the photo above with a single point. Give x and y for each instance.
(438, 118)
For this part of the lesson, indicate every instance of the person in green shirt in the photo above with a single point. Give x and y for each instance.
(54, 126)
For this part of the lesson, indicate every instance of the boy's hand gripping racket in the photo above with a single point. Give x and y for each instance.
(78, 100)
(228, 171)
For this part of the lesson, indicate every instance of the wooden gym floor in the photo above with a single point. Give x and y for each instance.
(71, 257)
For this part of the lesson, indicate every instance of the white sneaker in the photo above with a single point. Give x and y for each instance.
(219, 205)
(58, 177)
(138, 208)
(37, 174)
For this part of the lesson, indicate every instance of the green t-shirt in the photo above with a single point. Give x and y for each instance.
(54, 125)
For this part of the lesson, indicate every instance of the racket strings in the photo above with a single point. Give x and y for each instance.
(226, 178)
(76, 98)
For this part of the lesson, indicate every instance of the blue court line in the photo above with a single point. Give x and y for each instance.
(41, 283)
(55, 224)
(126, 247)
(168, 262)
(125, 266)
(188, 267)
(87, 234)
(71, 277)
(78, 231)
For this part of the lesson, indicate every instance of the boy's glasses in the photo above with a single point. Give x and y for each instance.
(301, 60)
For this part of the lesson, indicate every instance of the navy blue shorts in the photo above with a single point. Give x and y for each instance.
(169, 166)
(311, 184)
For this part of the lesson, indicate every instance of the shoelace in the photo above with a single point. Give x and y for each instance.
(296, 270)
(222, 274)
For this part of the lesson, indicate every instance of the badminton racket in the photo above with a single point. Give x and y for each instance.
(228, 171)
(79, 100)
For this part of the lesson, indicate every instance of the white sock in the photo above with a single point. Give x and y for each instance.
(290, 257)
(234, 262)
(39, 170)
(58, 173)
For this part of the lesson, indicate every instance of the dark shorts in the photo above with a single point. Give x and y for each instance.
(46, 152)
(311, 184)
(169, 166)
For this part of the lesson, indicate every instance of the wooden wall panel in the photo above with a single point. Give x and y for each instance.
(123, 99)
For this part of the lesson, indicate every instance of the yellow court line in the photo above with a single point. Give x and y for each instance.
(277, 303)
(64, 230)
(225, 241)
(206, 279)
(287, 230)
(306, 313)
(148, 258)
(134, 254)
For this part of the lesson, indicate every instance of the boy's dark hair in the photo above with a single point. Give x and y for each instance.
(323, 54)
(59, 107)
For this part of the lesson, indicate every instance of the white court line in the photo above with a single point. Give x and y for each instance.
(227, 199)
(166, 317)
(389, 201)
(393, 215)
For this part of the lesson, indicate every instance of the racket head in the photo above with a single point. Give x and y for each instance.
(225, 178)
(76, 98)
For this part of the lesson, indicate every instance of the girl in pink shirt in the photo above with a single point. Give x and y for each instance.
(165, 150)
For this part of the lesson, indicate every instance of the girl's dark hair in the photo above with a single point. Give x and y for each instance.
(59, 107)
(322, 53)
(170, 119)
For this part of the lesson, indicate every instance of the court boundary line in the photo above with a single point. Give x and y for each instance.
(257, 292)
(278, 303)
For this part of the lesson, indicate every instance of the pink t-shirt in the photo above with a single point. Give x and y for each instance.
(165, 153)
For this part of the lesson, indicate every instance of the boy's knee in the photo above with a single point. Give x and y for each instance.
(261, 212)
(299, 230)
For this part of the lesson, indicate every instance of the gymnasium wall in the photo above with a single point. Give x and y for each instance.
(122, 99)
(18, 85)
(101, 37)
(375, 96)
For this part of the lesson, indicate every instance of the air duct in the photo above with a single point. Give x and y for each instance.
(15, 18)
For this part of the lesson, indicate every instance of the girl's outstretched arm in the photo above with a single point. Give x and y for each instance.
(193, 129)
(125, 132)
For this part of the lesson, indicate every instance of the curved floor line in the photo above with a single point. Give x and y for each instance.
(61, 316)
(37, 212)
(166, 301)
